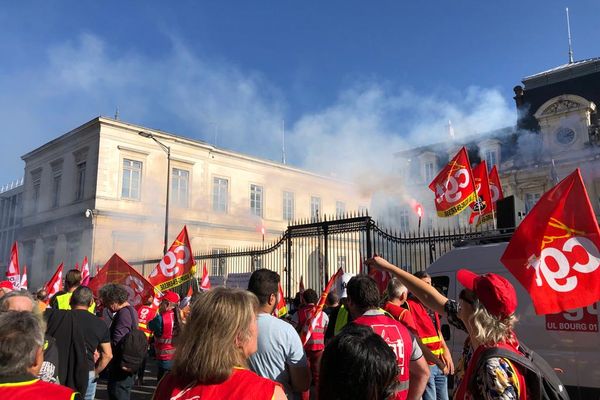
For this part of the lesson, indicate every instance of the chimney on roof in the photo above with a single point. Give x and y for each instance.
(518, 96)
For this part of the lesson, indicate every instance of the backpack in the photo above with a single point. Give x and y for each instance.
(541, 380)
(133, 347)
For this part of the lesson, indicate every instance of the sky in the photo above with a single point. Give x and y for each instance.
(351, 81)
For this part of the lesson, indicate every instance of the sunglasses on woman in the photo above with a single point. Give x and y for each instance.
(467, 297)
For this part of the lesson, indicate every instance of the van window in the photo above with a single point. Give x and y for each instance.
(441, 283)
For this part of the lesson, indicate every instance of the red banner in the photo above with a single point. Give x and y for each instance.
(554, 251)
(281, 307)
(483, 205)
(581, 320)
(117, 270)
(54, 285)
(454, 187)
(24, 278)
(85, 272)
(177, 266)
(12, 272)
(205, 282)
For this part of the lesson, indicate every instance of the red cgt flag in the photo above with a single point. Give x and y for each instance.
(85, 272)
(482, 206)
(177, 266)
(12, 272)
(24, 278)
(281, 307)
(454, 187)
(554, 251)
(54, 285)
(117, 270)
(205, 282)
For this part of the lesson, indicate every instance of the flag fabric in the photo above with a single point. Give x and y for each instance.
(495, 192)
(85, 272)
(13, 275)
(554, 251)
(301, 285)
(54, 285)
(482, 206)
(177, 266)
(311, 324)
(381, 277)
(454, 187)
(205, 282)
(24, 278)
(281, 307)
(117, 270)
(76, 266)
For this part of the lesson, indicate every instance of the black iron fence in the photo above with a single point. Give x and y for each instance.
(314, 250)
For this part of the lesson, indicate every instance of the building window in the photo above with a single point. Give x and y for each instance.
(256, 200)
(288, 206)
(80, 180)
(491, 159)
(315, 207)
(132, 179)
(56, 183)
(218, 264)
(340, 208)
(403, 219)
(530, 200)
(220, 194)
(179, 187)
(429, 171)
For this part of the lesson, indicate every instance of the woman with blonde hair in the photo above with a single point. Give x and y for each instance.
(486, 311)
(210, 360)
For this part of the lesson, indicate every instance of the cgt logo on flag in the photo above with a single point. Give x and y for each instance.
(554, 251)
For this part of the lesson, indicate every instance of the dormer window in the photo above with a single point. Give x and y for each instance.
(429, 171)
(491, 158)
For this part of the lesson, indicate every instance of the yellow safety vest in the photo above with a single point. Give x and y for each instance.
(64, 302)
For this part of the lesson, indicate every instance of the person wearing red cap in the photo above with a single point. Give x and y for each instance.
(486, 311)
(166, 327)
(5, 287)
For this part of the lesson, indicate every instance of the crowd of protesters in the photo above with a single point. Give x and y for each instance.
(229, 343)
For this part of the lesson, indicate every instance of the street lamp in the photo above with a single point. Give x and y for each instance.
(167, 150)
(91, 214)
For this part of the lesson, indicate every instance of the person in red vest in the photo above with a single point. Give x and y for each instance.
(166, 327)
(428, 327)
(146, 313)
(486, 311)
(396, 304)
(211, 358)
(363, 305)
(316, 343)
(22, 355)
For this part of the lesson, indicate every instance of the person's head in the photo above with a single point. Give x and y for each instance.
(396, 291)
(365, 364)
(5, 287)
(82, 298)
(487, 306)
(41, 294)
(363, 294)
(114, 296)
(220, 333)
(264, 284)
(169, 301)
(72, 280)
(17, 301)
(424, 276)
(310, 296)
(332, 300)
(21, 343)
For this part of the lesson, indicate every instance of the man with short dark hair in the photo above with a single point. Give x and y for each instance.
(363, 304)
(280, 356)
(21, 357)
(62, 299)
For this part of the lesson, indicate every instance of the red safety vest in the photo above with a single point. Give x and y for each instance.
(401, 314)
(145, 315)
(316, 341)
(462, 392)
(35, 389)
(164, 345)
(242, 384)
(426, 330)
(396, 335)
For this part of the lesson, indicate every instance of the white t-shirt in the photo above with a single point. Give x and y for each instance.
(279, 346)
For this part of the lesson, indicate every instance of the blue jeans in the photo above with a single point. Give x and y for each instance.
(437, 387)
(90, 394)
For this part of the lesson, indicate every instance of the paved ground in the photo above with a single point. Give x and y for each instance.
(139, 392)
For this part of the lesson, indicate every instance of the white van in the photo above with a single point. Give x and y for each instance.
(569, 341)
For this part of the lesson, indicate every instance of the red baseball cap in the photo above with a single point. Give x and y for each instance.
(171, 296)
(6, 285)
(495, 292)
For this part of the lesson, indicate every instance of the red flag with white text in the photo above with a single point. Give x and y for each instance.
(281, 307)
(496, 193)
(54, 285)
(311, 324)
(85, 272)
(13, 275)
(24, 278)
(117, 270)
(482, 206)
(177, 266)
(554, 251)
(454, 187)
(205, 282)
